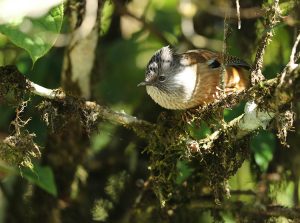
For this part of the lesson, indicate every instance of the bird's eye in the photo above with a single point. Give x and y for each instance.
(161, 78)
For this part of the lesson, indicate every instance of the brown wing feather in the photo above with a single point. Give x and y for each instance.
(208, 78)
(204, 56)
(200, 56)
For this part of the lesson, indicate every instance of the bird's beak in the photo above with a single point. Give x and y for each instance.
(149, 80)
(144, 83)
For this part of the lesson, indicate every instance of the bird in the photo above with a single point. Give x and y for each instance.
(179, 81)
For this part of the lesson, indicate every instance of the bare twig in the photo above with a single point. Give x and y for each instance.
(45, 92)
(293, 59)
(294, 50)
(238, 13)
(18, 122)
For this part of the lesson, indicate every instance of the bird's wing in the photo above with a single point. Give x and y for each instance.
(208, 73)
(214, 59)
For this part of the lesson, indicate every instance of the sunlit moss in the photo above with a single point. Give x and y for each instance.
(100, 210)
(115, 185)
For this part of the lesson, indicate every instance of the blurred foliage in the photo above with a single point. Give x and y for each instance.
(100, 210)
(36, 36)
(115, 185)
(120, 63)
(200, 132)
(41, 176)
(184, 171)
(263, 146)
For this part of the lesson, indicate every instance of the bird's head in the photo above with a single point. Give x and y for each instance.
(161, 69)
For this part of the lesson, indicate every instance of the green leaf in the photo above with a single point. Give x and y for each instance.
(41, 176)
(286, 7)
(263, 146)
(36, 36)
(106, 17)
(184, 171)
(199, 133)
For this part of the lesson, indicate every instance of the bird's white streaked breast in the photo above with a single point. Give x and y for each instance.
(168, 101)
(187, 79)
(161, 98)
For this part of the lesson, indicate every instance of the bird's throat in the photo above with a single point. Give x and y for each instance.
(181, 88)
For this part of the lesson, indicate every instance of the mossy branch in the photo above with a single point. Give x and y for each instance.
(249, 210)
(12, 79)
(272, 18)
(20, 84)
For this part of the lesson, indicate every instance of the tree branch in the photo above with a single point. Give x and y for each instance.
(105, 113)
(247, 123)
(292, 63)
(255, 115)
(238, 13)
(58, 95)
(45, 92)
(253, 118)
(120, 118)
(274, 13)
(249, 210)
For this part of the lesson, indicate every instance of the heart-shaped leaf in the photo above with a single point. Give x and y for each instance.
(35, 35)
(42, 176)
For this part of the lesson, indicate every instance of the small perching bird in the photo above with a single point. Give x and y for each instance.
(190, 79)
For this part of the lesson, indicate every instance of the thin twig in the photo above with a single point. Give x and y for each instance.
(45, 92)
(18, 122)
(293, 59)
(238, 13)
(294, 49)
(224, 53)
